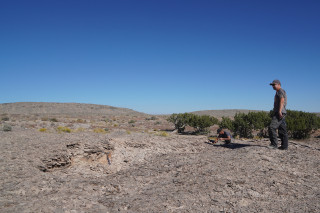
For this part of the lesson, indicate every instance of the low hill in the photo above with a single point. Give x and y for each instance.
(223, 113)
(69, 109)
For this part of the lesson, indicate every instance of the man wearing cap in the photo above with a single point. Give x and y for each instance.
(278, 118)
(224, 135)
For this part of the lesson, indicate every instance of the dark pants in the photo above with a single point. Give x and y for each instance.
(281, 125)
(227, 141)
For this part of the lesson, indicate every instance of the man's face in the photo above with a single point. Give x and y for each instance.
(275, 86)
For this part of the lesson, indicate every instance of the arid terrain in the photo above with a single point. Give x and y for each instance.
(119, 160)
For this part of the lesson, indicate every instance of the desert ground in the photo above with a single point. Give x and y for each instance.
(134, 162)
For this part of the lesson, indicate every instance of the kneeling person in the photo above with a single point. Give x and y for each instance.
(224, 135)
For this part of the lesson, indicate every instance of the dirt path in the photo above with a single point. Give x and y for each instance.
(50, 172)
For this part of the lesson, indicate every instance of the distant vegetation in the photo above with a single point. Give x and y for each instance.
(63, 129)
(299, 124)
(151, 118)
(42, 130)
(200, 123)
(100, 130)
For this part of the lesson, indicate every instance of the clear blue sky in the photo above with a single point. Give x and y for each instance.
(161, 56)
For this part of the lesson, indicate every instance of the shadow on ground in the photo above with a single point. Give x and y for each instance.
(233, 145)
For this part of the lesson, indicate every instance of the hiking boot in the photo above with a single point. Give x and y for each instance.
(283, 148)
(272, 147)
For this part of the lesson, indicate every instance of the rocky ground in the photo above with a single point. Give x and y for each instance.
(141, 169)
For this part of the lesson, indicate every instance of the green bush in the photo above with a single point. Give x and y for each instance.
(63, 129)
(7, 128)
(202, 123)
(100, 130)
(259, 121)
(163, 134)
(242, 126)
(301, 124)
(152, 118)
(131, 121)
(53, 120)
(226, 123)
(5, 118)
(180, 121)
(199, 123)
(42, 130)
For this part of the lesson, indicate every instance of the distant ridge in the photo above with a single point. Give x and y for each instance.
(224, 113)
(69, 109)
(230, 112)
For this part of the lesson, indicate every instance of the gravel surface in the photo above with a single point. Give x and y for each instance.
(144, 172)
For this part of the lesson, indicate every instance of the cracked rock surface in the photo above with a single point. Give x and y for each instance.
(141, 172)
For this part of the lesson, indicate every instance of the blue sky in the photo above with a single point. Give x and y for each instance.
(161, 56)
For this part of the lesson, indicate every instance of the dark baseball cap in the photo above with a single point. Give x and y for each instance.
(275, 82)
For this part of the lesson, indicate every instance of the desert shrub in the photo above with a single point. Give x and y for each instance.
(128, 132)
(202, 123)
(259, 121)
(53, 120)
(131, 121)
(63, 129)
(180, 121)
(5, 118)
(81, 121)
(158, 123)
(42, 130)
(301, 124)
(99, 130)
(226, 123)
(199, 123)
(242, 126)
(152, 118)
(7, 128)
(163, 134)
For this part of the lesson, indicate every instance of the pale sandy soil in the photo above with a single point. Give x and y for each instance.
(151, 171)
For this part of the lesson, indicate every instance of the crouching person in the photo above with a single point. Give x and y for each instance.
(224, 136)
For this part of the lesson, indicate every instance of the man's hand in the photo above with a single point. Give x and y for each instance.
(280, 115)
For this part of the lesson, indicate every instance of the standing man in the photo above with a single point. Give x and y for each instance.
(278, 118)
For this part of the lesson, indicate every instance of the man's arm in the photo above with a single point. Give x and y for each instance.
(281, 107)
(228, 138)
